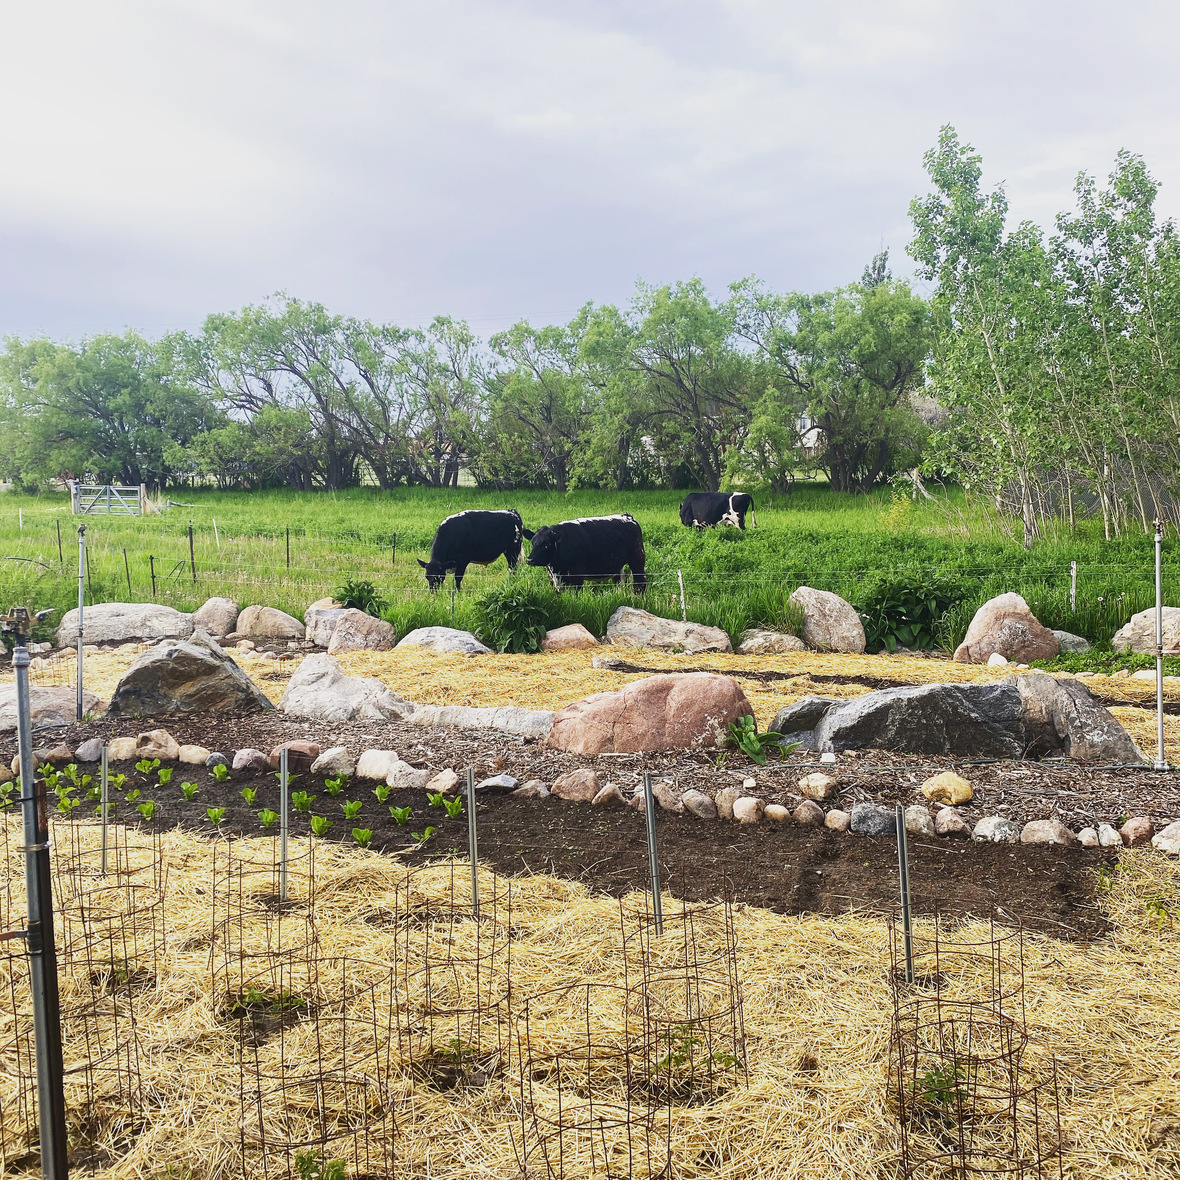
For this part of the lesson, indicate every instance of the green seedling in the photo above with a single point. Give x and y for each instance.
(221, 772)
(66, 805)
(116, 781)
(248, 794)
(335, 785)
(310, 1166)
(437, 799)
(401, 815)
(189, 789)
(51, 776)
(362, 836)
(940, 1086)
(453, 807)
(132, 795)
(382, 793)
(268, 818)
(320, 824)
(290, 778)
(302, 801)
(1157, 912)
(755, 745)
(70, 772)
(147, 765)
(164, 774)
(6, 795)
(351, 809)
(1105, 879)
(422, 837)
(215, 814)
(147, 809)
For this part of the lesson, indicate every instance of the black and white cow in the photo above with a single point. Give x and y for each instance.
(591, 549)
(702, 510)
(476, 537)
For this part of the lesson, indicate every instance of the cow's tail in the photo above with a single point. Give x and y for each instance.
(753, 518)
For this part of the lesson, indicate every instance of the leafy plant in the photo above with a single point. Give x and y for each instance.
(164, 774)
(436, 799)
(1105, 879)
(310, 1166)
(6, 794)
(401, 815)
(320, 824)
(147, 808)
(940, 1086)
(904, 609)
(65, 804)
(116, 781)
(335, 785)
(147, 765)
(189, 790)
(360, 594)
(221, 772)
(453, 807)
(215, 814)
(52, 777)
(362, 836)
(1158, 912)
(382, 792)
(302, 801)
(514, 617)
(248, 793)
(268, 818)
(133, 795)
(351, 808)
(422, 837)
(744, 731)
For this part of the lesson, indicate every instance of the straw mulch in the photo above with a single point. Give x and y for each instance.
(817, 1005)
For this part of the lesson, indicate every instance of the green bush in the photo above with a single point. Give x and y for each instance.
(905, 610)
(361, 595)
(515, 616)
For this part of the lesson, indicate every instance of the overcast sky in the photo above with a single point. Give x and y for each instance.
(394, 160)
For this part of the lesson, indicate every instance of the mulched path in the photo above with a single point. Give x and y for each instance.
(791, 870)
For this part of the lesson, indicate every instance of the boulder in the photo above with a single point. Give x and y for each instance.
(950, 822)
(1136, 831)
(533, 789)
(1061, 716)
(446, 781)
(919, 821)
(445, 639)
(1168, 839)
(609, 796)
(216, 759)
(91, 750)
(1006, 626)
(529, 723)
(157, 743)
(760, 642)
(217, 617)
(667, 797)
(1046, 831)
(1088, 838)
(817, 785)
(996, 829)
(301, 756)
(357, 631)
(629, 627)
(333, 762)
(829, 623)
(191, 755)
(120, 749)
(699, 804)
(948, 788)
(870, 820)
(57, 755)
(48, 707)
(1069, 644)
(498, 784)
(118, 622)
(748, 810)
(578, 786)
(802, 716)
(267, 622)
(673, 711)
(724, 801)
(375, 764)
(320, 691)
(251, 759)
(837, 820)
(402, 774)
(573, 637)
(321, 619)
(6, 775)
(808, 814)
(779, 815)
(1137, 635)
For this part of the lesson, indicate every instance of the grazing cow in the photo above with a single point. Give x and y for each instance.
(475, 537)
(591, 549)
(702, 510)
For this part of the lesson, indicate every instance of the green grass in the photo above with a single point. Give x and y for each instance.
(732, 579)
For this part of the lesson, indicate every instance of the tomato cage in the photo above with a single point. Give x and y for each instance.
(973, 1093)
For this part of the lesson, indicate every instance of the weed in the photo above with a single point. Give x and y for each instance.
(362, 836)
(1158, 912)
(1105, 879)
(320, 825)
(513, 617)
(755, 745)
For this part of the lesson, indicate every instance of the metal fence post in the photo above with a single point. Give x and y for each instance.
(1161, 762)
(472, 841)
(192, 560)
(1073, 587)
(283, 824)
(653, 852)
(903, 872)
(81, 607)
(105, 784)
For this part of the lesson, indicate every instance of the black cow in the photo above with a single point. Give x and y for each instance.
(591, 549)
(476, 537)
(705, 509)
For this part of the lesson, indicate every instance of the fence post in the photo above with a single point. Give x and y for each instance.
(283, 824)
(143, 499)
(473, 842)
(1161, 763)
(216, 534)
(288, 546)
(127, 568)
(1073, 587)
(81, 607)
(903, 872)
(653, 853)
(393, 555)
(75, 499)
(192, 561)
(152, 567)
(683, 607)
(61, 557)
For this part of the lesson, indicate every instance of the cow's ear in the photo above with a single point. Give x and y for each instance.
(528, 533)
(422, 563)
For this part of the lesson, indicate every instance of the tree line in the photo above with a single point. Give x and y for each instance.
(1042, 372)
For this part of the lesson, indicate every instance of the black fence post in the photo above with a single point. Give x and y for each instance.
(61, 557)
(192, 560)
(152, 565)
(127, 568)
(288, 546)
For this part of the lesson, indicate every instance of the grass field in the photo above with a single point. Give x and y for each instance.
(286, 549)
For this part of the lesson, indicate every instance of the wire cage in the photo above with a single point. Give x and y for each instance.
(972, 1096)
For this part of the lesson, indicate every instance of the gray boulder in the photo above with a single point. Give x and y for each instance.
(530, 723)
(870, 820)
(91, 751)
(186, 676)
(357, 631)
(119, 622)
(266, 622)
(1060, 716)
(320, 691)
(1069, 644)
(630, 627)
(446, 639)
(217, 617)
(321, 619)
(829, 623)
(997, 829)
(803, 714)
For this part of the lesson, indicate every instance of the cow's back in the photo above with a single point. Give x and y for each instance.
(477, 535)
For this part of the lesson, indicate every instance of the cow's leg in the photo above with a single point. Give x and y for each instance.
(460, 570)
(513, 556)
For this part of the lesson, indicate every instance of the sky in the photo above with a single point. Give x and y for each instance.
(495, 161)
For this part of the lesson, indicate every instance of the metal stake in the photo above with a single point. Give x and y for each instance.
(283, 825)
(81, 605)
(903, 872)
(152, 567)
(192, 560)
(1073, 587)
(472, 842)
(42, 952)
(683, 607)
(127, 569)
(105, 784)
(1161, 763)
(653, 852)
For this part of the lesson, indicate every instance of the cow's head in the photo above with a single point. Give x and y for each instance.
(436, 573)
(544, 548)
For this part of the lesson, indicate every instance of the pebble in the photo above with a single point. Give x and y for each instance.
(817, 785)
(777, 814)
(1046, 831)
(250, 759)
(699, 804)
(1108, 837)
(948, 788)
(749, 784)
(216, 759)
(725, 799)
(246, 645)
(919, 821)
(609, 796)
(827, 756)
(90, 750)
(1168, 839)
(995, 660)
(1136, 831)
(748, 810)
(950, 822)
(578, 786)
(1088, 838)
(533, 789)
(808, 814)
(193, 755)
(837, 820)
(997, 829)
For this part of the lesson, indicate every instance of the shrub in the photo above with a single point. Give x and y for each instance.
(514, 617)
(361, 595)
(905, 610)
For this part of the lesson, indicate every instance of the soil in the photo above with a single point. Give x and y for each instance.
(790, 869)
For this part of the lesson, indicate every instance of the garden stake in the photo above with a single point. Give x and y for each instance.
(1073, 587)
(472, 842)
(127, 568)
(105, 782)
(61, 557)
(216, 534)
(192, 561)
(81, 601)
(283, 824)
(152, 567)
(288, 546)
(903, 872)
(1161, 763)
(683, 608)
(653, 852)
(393, 554)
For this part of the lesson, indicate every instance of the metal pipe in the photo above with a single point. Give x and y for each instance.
(472, 841)
(653, 852)
(683, 606)
(1161, 762)
(105, 784)
(42, 951)
(903, 872)
(81, 607)
(283, 824)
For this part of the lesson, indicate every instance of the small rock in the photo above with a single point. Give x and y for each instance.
(573, 637)
(667, 797)
(157, 743)
(445, 639)
(216, 759)
(997, 829)
(837, 820)
(265, 622)
(638, 803)
(1121, 674)
(609, 796)
(89, 751)
(333, 762)
(402, 774)
(498, 783)
(749, 784)
(301, 755)
(533, 789)
(1144, 674)
(357, 631)
(777, 814)
(578, 786)
(699, 804)
(1168, 839)
(1136, 831)
(445, 781)
(246, 645)
(250, 759)
(827, 756)
(607, 663)
(724, 801)
(192, 755)
(120, 749)
(948, 788)
(1046, 831)
(1108, 837)
(950, 822)
(919, 821)
(870, 820)
(6, 775)
(1088, 838)
(995, 660)
(375, 764)
(1069, 644)
(760, 642)
(808, 814)
(748, 810)
(817, 785)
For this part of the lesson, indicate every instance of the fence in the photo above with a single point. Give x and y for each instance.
(93, 499)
